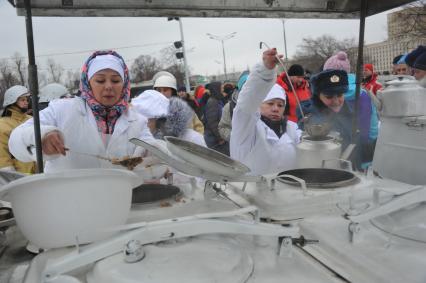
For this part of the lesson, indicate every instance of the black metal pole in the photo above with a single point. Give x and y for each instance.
(33, 83)
(359, 68)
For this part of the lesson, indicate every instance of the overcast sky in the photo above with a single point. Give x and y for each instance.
(147, 36)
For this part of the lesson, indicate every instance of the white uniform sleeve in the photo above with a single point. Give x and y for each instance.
(246, 113)
(22, 137)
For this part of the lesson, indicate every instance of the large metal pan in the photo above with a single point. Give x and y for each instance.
(320, 178)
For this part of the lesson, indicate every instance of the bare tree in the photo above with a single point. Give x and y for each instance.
(54, 70)
(144, 67)
(313, 52)
(73, 80)
(20, 67)
(409, 22)
(7, 79)
(174, 65)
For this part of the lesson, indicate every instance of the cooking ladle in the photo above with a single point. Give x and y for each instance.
(129, 163)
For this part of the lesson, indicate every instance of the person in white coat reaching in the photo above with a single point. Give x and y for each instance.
(261, 137)
(99, 122)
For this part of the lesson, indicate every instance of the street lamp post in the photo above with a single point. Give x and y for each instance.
(185, 63)
(285, 42)
(222, 39)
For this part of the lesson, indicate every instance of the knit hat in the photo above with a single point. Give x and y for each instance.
(412, 56)
(396, 59)
(402, 59)
(369, 67)
(151, 104)
(339, 61)
(330, 82)
(420, 62)
(296, 70)
(276, 92)
(181, 88)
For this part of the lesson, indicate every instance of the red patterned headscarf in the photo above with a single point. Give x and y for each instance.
(106, 116)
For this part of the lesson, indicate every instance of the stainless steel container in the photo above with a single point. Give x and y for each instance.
(403, 97)
(312, 151)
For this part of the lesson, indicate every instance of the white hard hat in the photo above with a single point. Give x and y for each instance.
(160, 74)
(165, 81)
(12, 94)
(52, 91)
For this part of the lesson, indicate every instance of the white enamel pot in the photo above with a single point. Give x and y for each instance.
(77, 206)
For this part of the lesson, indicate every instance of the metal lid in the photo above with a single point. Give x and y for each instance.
(407, 223)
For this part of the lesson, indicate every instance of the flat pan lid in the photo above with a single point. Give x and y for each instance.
(321, 178)
(205, 158)
(408, 223)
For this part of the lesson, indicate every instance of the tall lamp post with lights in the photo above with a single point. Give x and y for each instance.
(285, 41)
(222, 39)
(182, 43)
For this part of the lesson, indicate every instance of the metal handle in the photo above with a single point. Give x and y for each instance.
(299, 180)
(348, 163)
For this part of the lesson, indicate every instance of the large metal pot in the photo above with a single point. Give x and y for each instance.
(76, 206)
(403, 97)
(311, 151)
(319, 178)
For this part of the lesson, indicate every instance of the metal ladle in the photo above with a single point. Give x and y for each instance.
(285, 71)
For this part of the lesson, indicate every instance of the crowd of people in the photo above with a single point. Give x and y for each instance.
(258, 120)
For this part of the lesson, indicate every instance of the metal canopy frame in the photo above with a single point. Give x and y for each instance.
(320, 9)
(326, 9)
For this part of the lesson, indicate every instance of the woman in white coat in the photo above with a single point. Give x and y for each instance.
(167, 116)
(99, 122)
(262, 138)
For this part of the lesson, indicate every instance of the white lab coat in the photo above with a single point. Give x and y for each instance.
(252, 142)
(75, 120)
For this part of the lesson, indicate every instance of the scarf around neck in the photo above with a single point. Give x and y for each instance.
(105, 116)
(279, 127)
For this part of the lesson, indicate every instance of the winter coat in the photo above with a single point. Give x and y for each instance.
(252, 141)
(225, 123)
(303, 93)
(7, 124)
(341, 123)
(76, 122)
(212, 115)
(196, 124)
(372, 84)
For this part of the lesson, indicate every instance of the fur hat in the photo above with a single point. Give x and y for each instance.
(178, 118)
(339, 61)
(296, 70)
(330, 82)
(396, 59)
(420, 62)
(413, 55)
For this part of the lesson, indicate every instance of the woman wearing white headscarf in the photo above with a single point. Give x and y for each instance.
(99, 122)
(167, 117)
(262, 138)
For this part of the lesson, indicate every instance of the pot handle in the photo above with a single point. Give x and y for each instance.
(347, 162)
(299, 180)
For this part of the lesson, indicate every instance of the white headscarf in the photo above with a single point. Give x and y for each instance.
(151, 104)
(276, 92)
(103, 62)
